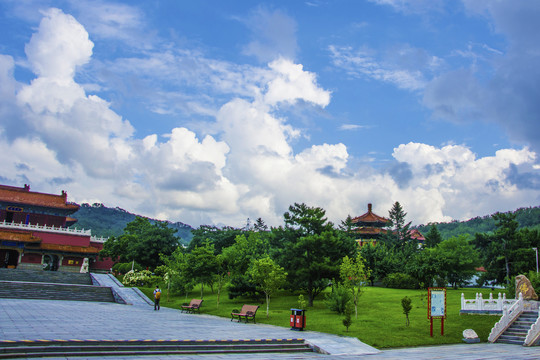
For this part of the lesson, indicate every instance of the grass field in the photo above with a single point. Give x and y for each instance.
(380, 323)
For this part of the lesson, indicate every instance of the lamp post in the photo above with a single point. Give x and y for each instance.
(536, 250)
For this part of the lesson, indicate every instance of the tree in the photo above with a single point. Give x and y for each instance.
(247, 247)
(433, 237)
(458, 260)
(399, 236)
(201, 265)
(219, 237)
(309, 249)
(268, 276)
(143, 242)
(407, 307)
(507, 251)
(354, 274)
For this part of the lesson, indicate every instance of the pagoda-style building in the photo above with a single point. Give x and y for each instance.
(369, 227)
(35, 233)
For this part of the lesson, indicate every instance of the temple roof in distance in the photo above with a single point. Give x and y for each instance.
(370, 219)
(23, 196)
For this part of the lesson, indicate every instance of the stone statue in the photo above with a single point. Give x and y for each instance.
(84, 266)
(523, 286)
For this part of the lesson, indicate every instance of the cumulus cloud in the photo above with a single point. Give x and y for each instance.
(244, 166)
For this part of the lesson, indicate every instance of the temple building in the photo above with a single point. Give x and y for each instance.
(370, 227)
(35, 233)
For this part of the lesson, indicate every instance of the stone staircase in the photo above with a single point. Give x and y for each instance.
(51, 285)
(517, 332)
(55, 277)
(117, 348)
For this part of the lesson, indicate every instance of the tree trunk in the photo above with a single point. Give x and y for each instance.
(267, 305)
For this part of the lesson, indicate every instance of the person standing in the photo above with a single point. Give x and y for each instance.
(157, 296)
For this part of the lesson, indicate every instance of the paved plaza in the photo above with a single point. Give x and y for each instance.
(78, 320)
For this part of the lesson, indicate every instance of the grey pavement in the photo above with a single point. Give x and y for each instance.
(132, 296)
(66, 320)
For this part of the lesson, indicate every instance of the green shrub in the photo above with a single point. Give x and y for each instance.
(139, 278)
(124, 268)
(337, 300)
(400, 281)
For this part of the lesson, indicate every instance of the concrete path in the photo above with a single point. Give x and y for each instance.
(50, 320)
(132, 296)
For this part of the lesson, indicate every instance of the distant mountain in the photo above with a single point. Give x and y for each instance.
(106, 222)
(526, 217)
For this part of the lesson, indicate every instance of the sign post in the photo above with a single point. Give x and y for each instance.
(436, 307)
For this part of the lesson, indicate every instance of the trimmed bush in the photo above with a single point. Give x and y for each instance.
(400, 281)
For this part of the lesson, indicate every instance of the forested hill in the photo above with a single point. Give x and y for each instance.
(104, 221)
(526, 217)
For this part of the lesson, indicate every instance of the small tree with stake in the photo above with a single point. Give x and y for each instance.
(406, 305)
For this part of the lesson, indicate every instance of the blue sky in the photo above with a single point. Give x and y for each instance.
(212, 112)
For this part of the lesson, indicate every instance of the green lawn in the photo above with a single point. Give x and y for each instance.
(380, 323)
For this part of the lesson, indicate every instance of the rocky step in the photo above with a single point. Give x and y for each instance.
(57, 348)
(56, 277)
(30, 290)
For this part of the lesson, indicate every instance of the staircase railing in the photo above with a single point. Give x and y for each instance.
(534, 333)
(509, 316)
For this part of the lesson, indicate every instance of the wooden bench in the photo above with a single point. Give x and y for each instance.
(194, 304)
(247, 312)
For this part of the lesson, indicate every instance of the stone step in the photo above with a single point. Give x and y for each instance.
(45, 348)
(56, 277)
(30, 290)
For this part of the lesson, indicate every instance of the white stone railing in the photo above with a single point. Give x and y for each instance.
(100, 239)
(481, 305)
(509, 316)
(534, 333)
(45, 228)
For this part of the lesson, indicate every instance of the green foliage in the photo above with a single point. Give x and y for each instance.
(221, 238)
(338, 299)
(238, 258)
(354, 275)
(433, 237)
(123, 268)
(139, 278)
(407, 307)
(200, 265)
(347, 321)
(301, 302)
(267, 276)
(142, 241)
(457, 260)
(526, 218)
(400, 281)
(108, 222)
(309, 249)
(507, 251)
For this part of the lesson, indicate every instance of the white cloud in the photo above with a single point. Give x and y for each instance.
(360, 64)
(245, 166)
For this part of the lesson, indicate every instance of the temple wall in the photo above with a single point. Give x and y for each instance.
(62, 239)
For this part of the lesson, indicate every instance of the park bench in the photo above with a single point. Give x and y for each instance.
(194, 304)
(247, 312)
